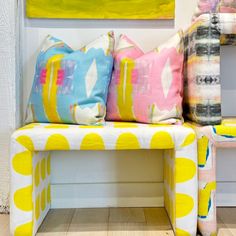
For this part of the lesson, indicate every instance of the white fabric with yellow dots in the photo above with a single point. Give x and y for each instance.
(30, 166)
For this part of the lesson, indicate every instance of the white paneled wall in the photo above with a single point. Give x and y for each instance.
(9, 98)
(226, 158)
(226, 177)
(228, 73)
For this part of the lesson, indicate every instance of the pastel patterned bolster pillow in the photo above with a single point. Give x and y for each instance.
(71, 86)
(213, 6)
(147, 87)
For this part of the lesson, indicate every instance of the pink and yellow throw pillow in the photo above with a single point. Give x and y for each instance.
(147, 87)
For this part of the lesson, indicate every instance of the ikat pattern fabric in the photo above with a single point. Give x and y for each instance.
(147, 88)
(209, 139)
(214, 6)
(202, 97)
(71, 86)
(202, 66)
(30, 166)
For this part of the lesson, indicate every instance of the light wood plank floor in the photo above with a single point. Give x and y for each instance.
(116, 222)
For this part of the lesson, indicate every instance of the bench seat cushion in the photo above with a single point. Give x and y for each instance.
(111, 136)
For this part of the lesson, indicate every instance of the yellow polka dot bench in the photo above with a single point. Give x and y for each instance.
(209, 139)
(30, 167)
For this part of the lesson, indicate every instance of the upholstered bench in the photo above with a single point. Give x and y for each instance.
(209, 139)
(30, 166)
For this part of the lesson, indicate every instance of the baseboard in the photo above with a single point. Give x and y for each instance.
(226, 194)
(125, 195)
(107, 195)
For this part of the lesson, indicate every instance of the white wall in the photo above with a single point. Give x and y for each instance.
(94, 179)
(111, 178)
(9, 75)
(226, 158)
(228, 65)
(226, 177)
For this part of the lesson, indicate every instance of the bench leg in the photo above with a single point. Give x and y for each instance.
(180, 188)
(207, 223)
(30, 189)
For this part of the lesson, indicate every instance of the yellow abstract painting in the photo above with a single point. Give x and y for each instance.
(101, 9)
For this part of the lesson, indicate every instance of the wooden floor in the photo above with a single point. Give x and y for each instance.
(116, 222)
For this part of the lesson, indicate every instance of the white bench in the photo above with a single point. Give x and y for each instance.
(30, 166)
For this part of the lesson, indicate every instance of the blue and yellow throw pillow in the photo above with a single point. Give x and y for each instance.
(71, 86)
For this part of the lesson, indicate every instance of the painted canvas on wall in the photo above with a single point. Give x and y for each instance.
(101, 9)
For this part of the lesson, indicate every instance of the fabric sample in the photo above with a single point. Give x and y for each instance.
(203, 40)
(202, 97)
(71, 86)
(215, 6)
(30, 166)
(147, 87)
(227, 6)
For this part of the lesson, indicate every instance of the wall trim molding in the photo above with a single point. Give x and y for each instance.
(99, 195)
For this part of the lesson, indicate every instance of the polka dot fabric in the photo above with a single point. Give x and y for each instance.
(30, 166)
